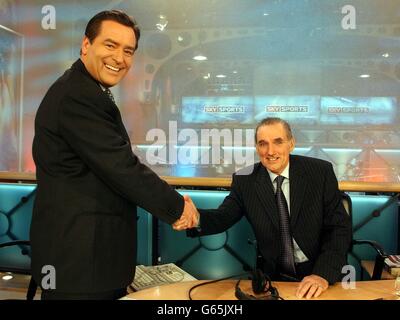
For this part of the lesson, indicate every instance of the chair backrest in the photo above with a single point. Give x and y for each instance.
(346, 200)
(16, 203)
(348, 206)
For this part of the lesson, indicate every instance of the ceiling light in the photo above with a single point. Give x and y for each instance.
(386, 55)
(220, 76)
(364, 76)
(199, 57)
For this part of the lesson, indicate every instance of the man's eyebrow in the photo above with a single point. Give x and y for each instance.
(116, 43)
(111, 40)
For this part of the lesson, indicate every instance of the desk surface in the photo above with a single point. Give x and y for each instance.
(225, 290)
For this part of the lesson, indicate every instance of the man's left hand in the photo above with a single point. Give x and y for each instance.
(311, 286)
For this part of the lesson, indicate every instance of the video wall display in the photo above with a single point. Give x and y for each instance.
(330, 68)
(297, 110)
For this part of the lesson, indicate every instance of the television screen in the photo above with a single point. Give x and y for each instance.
(358, 110)
(214, 110)
(294, 109)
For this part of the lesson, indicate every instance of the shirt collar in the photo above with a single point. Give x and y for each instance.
(285, 173)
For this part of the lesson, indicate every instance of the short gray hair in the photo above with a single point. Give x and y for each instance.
(271, 120)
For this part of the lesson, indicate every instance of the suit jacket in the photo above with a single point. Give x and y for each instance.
(89, 184)
(318, 220)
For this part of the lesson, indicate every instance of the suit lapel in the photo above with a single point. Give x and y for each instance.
(266, 195)
(298, 186)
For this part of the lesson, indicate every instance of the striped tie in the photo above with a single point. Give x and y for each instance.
(286, 258)
(109, 94)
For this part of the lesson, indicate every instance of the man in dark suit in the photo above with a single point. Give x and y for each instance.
(317, 225)
(89, 181)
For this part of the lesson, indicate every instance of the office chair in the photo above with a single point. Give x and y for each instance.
(380, 252)
(32, 283)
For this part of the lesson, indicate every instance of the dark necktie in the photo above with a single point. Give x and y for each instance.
(287, 255)
(109, 94)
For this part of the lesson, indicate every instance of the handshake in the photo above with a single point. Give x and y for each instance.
(189, 218)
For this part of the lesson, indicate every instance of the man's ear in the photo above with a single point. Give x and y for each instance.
(85, 45)
(292, 144)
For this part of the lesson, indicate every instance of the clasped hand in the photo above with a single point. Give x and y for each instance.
(189, 218)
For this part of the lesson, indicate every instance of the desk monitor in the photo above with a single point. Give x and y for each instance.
(209, 257)
(16, 204)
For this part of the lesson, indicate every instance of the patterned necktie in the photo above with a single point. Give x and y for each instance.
(287, 253)
(109, 94)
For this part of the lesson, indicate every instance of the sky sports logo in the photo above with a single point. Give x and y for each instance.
(333, 110)
(286, 108)
(224, 109)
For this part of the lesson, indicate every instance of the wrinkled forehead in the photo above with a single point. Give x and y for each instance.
(272, 132)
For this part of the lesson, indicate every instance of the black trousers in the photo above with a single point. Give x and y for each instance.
(108, 295)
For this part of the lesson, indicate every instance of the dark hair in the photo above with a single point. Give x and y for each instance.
(269, 121)
(94, 24)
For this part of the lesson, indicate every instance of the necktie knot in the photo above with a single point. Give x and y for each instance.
(279, 181)
(109, 94)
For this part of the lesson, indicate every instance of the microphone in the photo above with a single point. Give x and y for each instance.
(261, 283)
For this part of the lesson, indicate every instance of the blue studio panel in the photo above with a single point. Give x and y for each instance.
(212, 257)
(383, 229)
(16, 203)
(208, 257)
(144, 236)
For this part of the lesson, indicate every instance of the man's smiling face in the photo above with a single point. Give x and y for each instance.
(274, 146)
(110, 55)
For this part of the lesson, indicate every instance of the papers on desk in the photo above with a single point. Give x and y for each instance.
(392, 265)
(151, 276)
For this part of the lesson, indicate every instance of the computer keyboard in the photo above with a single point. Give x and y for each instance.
(150, 276)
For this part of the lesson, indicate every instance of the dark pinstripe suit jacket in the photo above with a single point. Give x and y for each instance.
(89, 184)
(319, 222)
